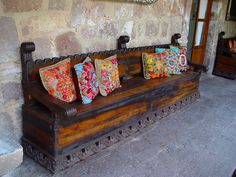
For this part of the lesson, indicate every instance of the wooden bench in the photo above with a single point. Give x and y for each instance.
(225, 61)
(58, 134)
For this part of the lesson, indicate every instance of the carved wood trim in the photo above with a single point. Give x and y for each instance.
(86, 150)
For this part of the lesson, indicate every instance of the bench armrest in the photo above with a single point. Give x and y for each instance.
(58, 108)
(198, 67)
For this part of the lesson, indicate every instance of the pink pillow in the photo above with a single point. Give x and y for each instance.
(87, 81)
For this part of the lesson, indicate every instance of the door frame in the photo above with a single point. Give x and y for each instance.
(199, 57)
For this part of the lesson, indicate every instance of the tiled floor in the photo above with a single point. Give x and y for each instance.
(199, 141)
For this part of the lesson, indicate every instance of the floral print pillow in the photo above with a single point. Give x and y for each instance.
(173, 62)
(182, 56)
(87, 81)
(154, 65)
(172, 58)
(57, 80)
(108, 74)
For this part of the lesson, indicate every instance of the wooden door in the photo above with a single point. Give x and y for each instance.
(201, 30)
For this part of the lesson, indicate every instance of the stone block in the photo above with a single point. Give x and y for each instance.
(78, 13)
(11, 91)
(151, 29)
(96, 46)
(43, 46)
(123, 11)
(6, 125)
(176, 24)
(15, 111)
(1, 8)
(9, 70)
(67, 44)
(96, 10)
(161, 8)
(141, 11)
(9, 43)
(88, 32)
(56, 4)
(177, 8)
(108, 29)
(82, 11)
(21, 5)
(164, 29)
(37, 25)
(11, 155)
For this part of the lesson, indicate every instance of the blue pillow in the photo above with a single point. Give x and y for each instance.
(160, 50)
(87, 81)
(175, 49)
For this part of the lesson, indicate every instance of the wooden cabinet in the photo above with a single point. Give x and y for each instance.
(225, 62)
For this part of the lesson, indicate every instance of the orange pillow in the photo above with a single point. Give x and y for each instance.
(154, 65)
(107, 74)
(57, 80)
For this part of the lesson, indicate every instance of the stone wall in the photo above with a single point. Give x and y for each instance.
(217, 24)
(62, 27)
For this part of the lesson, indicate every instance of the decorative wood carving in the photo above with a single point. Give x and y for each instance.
(66, 133)
(101, 143)
(122, 42)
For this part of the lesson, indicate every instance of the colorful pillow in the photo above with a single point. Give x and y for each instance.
(108, 74)
(154, 65)
(160, 50)
(58, 81)
(87, 81)
(172, 58)
(182, 55)
(173, 62)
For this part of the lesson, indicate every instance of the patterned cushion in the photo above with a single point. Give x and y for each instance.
(87, 81)
(160, 50)
(108, 74)
(154, 65)
(58, 81)
(172, 58)
(182, 55)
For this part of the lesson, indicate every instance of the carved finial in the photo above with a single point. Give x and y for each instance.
(27, 47)
(221, 34)
(122, 42)
(174, 39)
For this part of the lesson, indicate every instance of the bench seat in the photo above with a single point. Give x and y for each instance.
(104, 114)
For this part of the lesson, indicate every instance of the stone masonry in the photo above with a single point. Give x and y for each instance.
(62, 27)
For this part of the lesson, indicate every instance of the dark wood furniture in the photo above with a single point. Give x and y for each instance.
(231, 11)
(225, 61)
(58, 134)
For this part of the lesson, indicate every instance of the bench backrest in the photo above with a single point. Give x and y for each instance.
(129, 59)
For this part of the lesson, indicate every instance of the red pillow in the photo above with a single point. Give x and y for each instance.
(58, 81)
